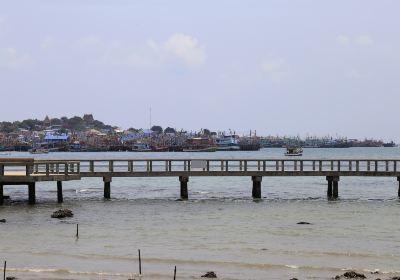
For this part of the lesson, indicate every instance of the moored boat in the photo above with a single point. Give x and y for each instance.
(227, 143)
(249, 144)
(38, 151)
(199, 149)
(200, 144)
(389, 144)
(293, 151)
(141, 147)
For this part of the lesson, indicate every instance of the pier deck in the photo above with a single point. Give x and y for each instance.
(29, 171)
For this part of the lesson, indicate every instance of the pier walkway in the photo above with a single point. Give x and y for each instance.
(27, 171)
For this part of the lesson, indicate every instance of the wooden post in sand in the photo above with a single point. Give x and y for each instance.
(140, 264)
(175, 273)
(4, 271)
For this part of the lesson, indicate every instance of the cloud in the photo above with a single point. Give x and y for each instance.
(96, 51)
(2, 22)
(48, 43)
(11, 58)
(364, 40)
(343, 40)
(353, 74)
(186, 48)
(275, 69)
(361, 40)
(148, 55)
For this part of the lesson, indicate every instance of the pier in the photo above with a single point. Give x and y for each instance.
(27, 171)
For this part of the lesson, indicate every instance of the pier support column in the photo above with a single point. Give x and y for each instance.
(59, 192)
(256, 186)
(335, 191)
(333, 186)
(329, 191)
(1, 194)
(107, 187)
(32, 193)
(398, 179)
(184, 187)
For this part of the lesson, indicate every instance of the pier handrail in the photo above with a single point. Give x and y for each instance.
(268, 166)
(239, 165)
(16, 162)
(56, 167)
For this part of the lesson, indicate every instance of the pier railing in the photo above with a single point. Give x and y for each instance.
(16, 166)
(56, 167)
(206, 167)
(29, 167)
(209, 166)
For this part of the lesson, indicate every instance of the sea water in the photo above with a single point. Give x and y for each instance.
(220, 228)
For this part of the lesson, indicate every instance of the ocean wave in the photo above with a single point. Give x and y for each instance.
(200, 262)
(83, 273)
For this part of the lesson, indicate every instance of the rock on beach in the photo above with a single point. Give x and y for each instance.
(62, 213)
(210, 274)
(351, 275)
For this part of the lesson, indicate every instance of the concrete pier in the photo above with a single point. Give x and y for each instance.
(256, 192)
(107, 187)
(28, 171)
(59, 192)
(333, 186)
(184, 187)
(32, 193)
(1, 194)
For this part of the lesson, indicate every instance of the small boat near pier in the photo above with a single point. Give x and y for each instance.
(294, 151)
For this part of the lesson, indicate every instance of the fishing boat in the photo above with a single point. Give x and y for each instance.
(389, 144)
(227, 143)
(38, 151)
(175, 148)
(249, 144)
(159, 149)
(141, 147)
(199, 144)
(294, 151)
(199, 149)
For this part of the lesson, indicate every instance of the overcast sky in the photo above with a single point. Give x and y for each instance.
(278, 67)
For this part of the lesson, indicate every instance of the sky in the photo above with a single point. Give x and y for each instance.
(279, 67)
